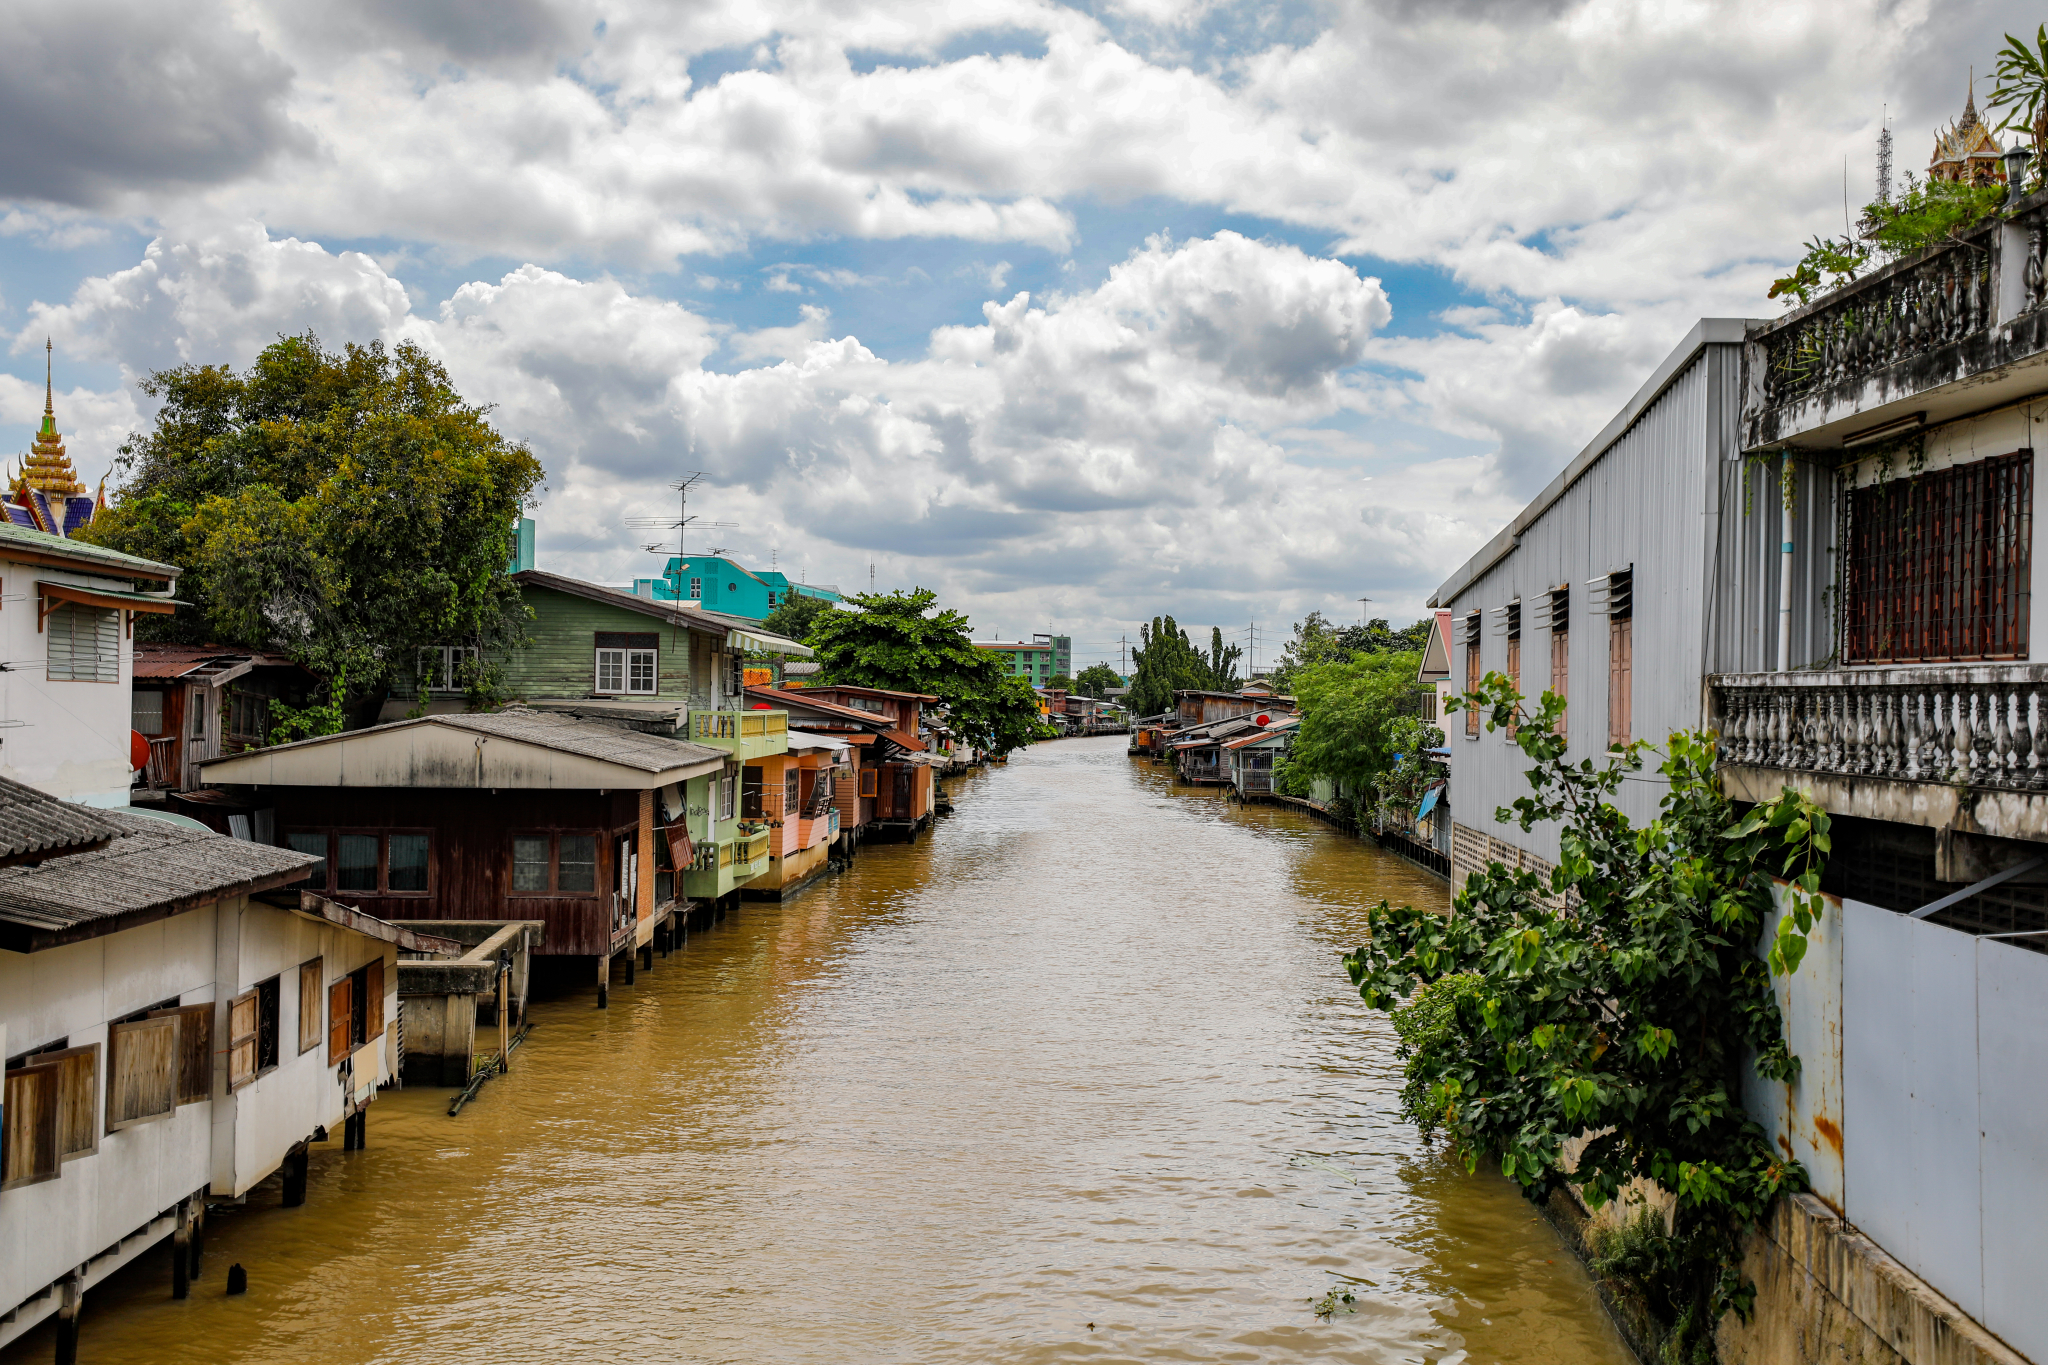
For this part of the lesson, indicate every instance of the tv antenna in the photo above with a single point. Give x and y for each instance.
(683, 520)
(1361, 609)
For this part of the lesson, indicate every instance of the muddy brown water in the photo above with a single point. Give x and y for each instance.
(1039, 1087)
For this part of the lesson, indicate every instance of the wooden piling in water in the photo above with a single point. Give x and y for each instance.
(181, 1252)
(604, 981)
(67, 1318)
(296, 1163)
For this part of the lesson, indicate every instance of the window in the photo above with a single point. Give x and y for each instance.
(367, 862)
(142, 1070)
(728, 794)
(626, 662)
(791, 804)
(1472, 670)
(1620, 655)
(355, 1010)
(196, 699)
(1513, 616)
(195, 1050)
(312, 843)
(696, 587)
(310, 984)
(406, 862)
(867, 781)
(1939, 565)
(254, 1030)
(355, 863)
(146, 711)
(771, 601)
(248, 717)
(564, 864)
(29, 1152)
(1560, 649)
(85, 644)
(78, 1095)
(448, 668)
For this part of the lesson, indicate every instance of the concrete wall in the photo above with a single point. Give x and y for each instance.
(70, 739)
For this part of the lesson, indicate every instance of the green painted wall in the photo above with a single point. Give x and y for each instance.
(561, 660)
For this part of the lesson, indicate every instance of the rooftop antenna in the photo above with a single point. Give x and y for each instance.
(1361, 610)
(682, 522)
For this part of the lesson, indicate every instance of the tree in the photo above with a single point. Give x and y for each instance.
(1617, 1001)
(1318, 641)
(1352, 716)
(898, 641)
(2022, 77)
(1096, 680)
(347, 508)
(1059, 682)
(792, 620)
(1165, 661)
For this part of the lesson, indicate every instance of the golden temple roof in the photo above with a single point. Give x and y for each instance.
(1964, 141)
(46, 467)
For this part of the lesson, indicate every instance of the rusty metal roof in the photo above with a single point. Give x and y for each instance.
(32, 821)
(598, 739)
(150, 868)
(175, 661)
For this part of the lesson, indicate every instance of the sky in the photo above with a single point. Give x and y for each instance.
(1076, 314)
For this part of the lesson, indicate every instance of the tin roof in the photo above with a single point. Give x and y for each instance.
(175, 661)
(151, 868)
(675, 613)
(801, 699)
(868, 691)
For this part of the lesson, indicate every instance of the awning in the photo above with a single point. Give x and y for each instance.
(762, 642)
(904, 741)
(810, 739)
(95, 597)
(1429, 801)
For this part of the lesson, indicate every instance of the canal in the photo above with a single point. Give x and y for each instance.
(1076, 1077)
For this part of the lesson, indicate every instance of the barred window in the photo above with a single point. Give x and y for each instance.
(85, 644)
(1939, 564)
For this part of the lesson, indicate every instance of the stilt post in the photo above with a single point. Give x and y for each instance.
(67, 1317)
(604, 980)
(181, 1252)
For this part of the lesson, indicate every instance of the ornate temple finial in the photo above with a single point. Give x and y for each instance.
(1969, 103)
(49, 361)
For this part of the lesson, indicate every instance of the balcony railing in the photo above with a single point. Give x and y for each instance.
(738, 724)
(1927, 320)
(1982, 725)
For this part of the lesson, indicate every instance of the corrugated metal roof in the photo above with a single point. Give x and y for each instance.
(150, 865)
(590, 738)
(175, 661)
(675, 613)
(802, 700)
(31, 821)
(868, 691)
(89, 556)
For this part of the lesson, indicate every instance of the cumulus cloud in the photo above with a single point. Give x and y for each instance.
(103, 100)
(1119, 433)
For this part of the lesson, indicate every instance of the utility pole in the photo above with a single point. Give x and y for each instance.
(1123, 655)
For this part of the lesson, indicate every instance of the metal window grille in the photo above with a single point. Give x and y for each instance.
(1938, 565)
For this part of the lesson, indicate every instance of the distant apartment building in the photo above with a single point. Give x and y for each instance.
(1038, 661)
(718, 584)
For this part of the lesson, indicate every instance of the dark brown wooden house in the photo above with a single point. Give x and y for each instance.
(516, 814)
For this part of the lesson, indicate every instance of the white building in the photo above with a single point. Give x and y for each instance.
(1816, 537)
(65, 717)
(177, 1026)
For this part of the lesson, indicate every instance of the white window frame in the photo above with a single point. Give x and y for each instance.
(697, 588)
(728, 798)
(643, 676)
(445, 661)
(614, 662)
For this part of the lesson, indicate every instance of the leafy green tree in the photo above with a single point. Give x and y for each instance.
(1318, 641)
(1222, 663)
(1061, 682)
(347, 508)
(1352, 720)
(792, 619)
(900, 641)
(1164, 663)
(1096, 680)
(1617, 1001)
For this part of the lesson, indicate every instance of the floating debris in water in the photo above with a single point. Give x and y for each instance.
(1332, 1167)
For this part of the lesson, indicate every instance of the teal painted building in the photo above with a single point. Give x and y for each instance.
(717, 584)
(1038, 661)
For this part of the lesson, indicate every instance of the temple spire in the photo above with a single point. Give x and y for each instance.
(49, 390)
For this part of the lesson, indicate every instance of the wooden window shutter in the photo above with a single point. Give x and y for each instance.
(241, 1040)
(867, 781)
(1620, 667)
(374, 1013)
(338, 1021)
(309, 1005)
(78, 1099)
(142, 1071)
(195, 1051)
(28, 1141)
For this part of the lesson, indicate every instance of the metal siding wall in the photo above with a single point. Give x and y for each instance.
(1748, 564)
(1648, 501)
(2012, 1107)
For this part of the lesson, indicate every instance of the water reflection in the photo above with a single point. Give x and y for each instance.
(1032, 1089)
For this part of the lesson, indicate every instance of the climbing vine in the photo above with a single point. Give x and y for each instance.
(1615, 1003)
